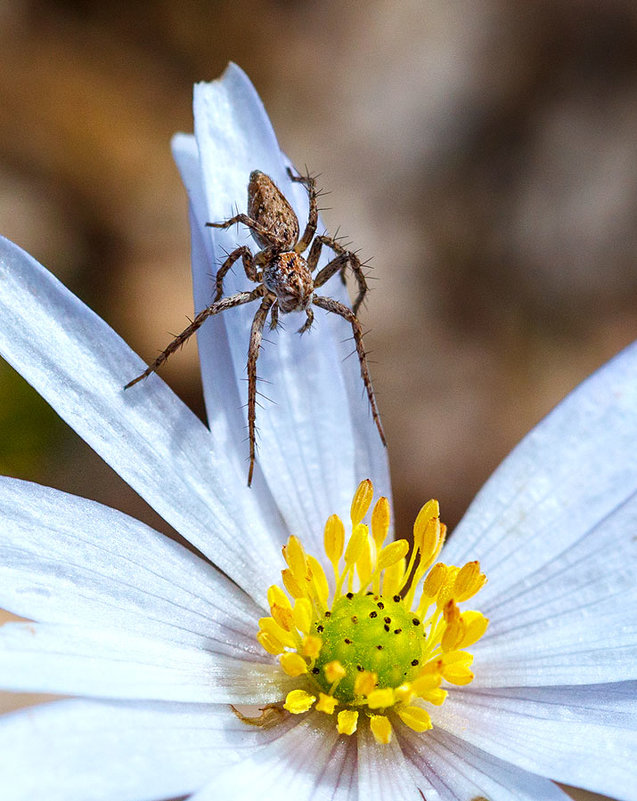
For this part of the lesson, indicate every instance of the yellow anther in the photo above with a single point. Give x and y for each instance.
(381, 698)
(436, 697)
(276, 597)
(468, 581)
(404, 694)
(457, 658)
(381, 729)
(458, 674)
(270, 643)
(334, 671)
(364, 683)
(311, 646)
(415, 717)
(347, 721)
(393, 578)
(319, 583)
(294, 555)
(334, 540)
(355, 544)
(446, 592)
(295, 589)
(475, 624)
(303, 615)
(381, 516)
(361, 502)
(455, 630)
(392, 553)
(434, 580)
(426, 683)
(293, 664)
(271, 627)
(326, 703)
(298, 701)
(283, 616)
(428, 512)
(364, 563)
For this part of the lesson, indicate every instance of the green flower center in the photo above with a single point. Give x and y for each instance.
(373, 633)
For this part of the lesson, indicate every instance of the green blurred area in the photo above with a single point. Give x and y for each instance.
(30, 431)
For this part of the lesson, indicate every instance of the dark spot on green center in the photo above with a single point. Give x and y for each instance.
(392, 652)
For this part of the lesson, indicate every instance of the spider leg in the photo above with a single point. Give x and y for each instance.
(331, 305)
(249, 266)
(256, 335)
(258, 229)
(237, 299)
(347, 256)
(310, 229)
(274, 317)
(325, 273)
(308, 323)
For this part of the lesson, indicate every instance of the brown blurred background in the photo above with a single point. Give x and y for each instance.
(483, 153)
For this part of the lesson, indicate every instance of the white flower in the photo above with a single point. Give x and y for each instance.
(157, 643)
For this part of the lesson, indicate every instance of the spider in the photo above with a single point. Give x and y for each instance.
(285, 282)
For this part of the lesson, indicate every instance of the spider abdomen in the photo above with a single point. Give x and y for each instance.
(268, 207)
(288, 276)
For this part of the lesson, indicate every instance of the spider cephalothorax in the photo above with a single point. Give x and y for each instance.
(285, 278)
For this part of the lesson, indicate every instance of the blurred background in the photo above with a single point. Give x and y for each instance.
(484, 154)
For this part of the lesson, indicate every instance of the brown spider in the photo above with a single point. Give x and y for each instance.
(284, 279)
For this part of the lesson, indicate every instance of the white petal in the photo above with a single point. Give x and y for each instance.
(314, 448)
(458, 771)
(310, 761)
(383, 771)
(65, 559)
(582, 736)
(79, 365)
(564, 483)
(107, 751)
(594, 644)
(575, 621)
(106, 663)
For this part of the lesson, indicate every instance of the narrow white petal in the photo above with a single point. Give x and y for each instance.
(225, 397)
(583, 736)
(79, 365)
(105, 663)
(574, 621)
(594, 644)
(314, 448)
(384, 772)
(459, 771)
(565, 485)
(108, 751)
(65, 559)
(310, 761)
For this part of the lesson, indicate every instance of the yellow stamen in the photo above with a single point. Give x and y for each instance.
(381, 516)
(334, 671)
(311, 646)
(365, 683)
(381, 729)
(360, 650)
(415, 717)
(326, 703)
(298, 701)
(362, 501)
(380, 699)
(347, 721)
(303, 615)
(293, 664)
(334, 540)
